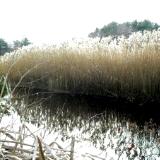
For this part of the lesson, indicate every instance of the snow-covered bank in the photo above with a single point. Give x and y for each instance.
(119, 140)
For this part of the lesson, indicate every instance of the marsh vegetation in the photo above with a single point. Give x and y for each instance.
(121, 67)
(36, 122)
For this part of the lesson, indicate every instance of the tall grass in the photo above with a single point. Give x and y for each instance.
(122, 67)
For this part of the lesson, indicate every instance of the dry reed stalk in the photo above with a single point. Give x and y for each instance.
(41, 152)
(72, 148)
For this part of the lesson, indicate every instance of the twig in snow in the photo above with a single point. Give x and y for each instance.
(72, 148)
(41, 153)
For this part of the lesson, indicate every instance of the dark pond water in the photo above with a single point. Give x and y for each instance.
(131, 132)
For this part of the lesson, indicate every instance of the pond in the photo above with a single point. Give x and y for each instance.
(100, 129)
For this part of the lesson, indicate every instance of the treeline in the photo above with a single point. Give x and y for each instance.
(115, 29)
(5, 47)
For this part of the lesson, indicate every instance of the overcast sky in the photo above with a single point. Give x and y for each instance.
(43, 21)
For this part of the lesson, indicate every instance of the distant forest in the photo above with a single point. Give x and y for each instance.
(115, 29)
(5, 47)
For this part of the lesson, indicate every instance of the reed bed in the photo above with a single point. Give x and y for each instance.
(123, 67)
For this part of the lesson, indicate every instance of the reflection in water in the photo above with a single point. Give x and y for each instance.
(105, 127)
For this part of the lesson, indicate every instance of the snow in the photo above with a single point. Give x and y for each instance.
(119, 142)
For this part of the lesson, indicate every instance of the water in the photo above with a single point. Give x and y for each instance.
(102, 130)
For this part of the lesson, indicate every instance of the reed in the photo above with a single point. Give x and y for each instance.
(122, 67)
(4, 87)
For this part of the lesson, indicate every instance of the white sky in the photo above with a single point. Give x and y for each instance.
(43, 21)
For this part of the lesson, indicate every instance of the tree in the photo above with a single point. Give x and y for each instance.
(124, 29)
(94, 34)
(4, 47)
(114, 29)
(109, 30)
(156, 26)
(145, 25)
(134, 25)
(18, 44)
(25, 42)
